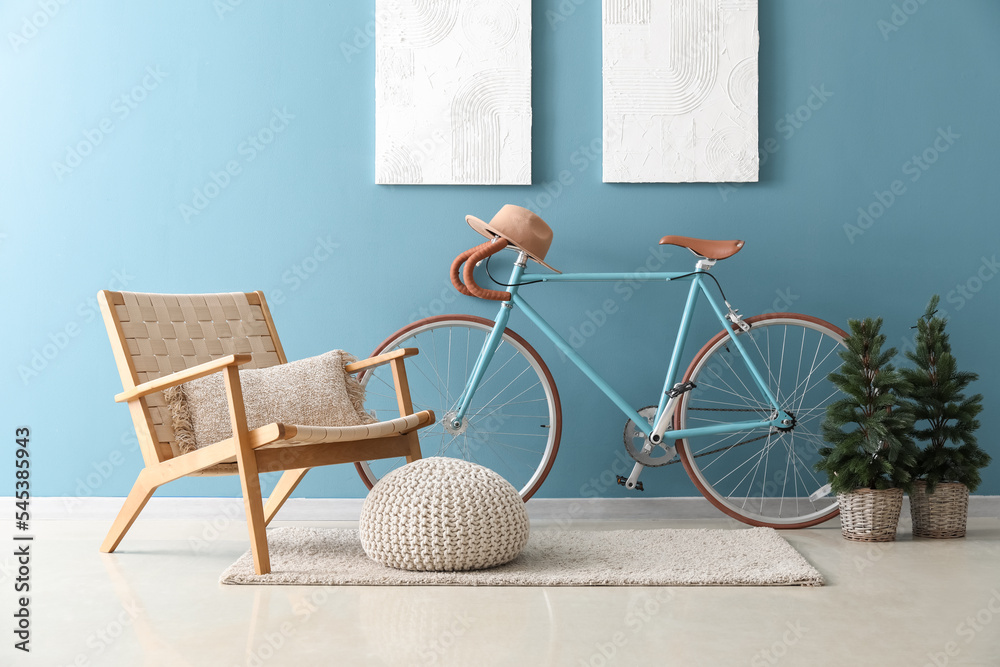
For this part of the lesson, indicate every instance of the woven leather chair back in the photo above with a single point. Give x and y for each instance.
(157, 334)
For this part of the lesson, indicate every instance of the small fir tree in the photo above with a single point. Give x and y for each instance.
(869, 428)
(936, 387)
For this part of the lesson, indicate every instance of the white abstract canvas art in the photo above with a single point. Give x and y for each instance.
(453, 92)
(680, 91)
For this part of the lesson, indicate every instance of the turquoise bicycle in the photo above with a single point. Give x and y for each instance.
(743, 419)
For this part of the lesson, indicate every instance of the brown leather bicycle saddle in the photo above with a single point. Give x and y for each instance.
(703, 247)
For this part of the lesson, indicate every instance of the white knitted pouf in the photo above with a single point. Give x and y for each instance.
(443, 514)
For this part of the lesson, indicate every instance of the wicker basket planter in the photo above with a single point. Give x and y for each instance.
(869, 515)
(942, 514)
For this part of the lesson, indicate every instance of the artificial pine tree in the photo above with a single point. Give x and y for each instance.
(870, 427)
(936, 387)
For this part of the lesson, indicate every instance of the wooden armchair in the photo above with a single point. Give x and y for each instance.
(163, 340)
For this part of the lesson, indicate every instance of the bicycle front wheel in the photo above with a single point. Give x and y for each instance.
(763, 476)
(514, 422)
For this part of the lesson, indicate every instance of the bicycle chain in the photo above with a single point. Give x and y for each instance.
(722, 449)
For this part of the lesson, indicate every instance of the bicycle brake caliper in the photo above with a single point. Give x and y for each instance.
(734, 316)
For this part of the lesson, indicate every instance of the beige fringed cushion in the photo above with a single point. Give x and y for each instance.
(309, 392)
(443, 514)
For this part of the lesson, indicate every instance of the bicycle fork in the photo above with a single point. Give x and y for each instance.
(456, 418)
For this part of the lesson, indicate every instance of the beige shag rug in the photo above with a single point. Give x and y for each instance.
(702, 557)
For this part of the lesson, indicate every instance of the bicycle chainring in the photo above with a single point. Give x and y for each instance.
(635, 441)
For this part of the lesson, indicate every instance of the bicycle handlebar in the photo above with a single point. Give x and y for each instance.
(470, 258)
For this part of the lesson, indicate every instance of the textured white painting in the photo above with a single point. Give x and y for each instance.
(680, 91)
(453, 91)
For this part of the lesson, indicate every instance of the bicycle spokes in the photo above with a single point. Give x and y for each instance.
(764, 474)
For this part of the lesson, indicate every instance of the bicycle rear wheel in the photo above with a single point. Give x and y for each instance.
(514, 422)
(764, 476)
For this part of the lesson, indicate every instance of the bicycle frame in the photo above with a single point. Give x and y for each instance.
(518, 278)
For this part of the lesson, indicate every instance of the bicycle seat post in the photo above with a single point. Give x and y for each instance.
(704, 264)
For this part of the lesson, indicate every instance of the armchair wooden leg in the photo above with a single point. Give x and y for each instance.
(137, 498)
(246, 461)
(289, 480)
(254, 506)
(415, 453)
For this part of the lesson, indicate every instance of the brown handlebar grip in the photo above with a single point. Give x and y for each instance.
(480, 253)
(456, 269)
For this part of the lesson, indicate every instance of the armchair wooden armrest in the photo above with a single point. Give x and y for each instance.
(398, 374)
(180, 377)
(380, 359)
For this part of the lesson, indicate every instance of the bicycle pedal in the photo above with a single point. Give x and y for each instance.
(680, 388)
(622, 481)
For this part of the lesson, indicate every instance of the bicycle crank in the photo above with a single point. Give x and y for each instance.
(639, 446)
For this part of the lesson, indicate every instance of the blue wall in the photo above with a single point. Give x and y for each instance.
(198, 81)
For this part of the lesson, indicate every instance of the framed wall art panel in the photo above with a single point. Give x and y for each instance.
(453, 92)
(680, 91)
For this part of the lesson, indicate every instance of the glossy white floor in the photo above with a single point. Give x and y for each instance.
(158, 602)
